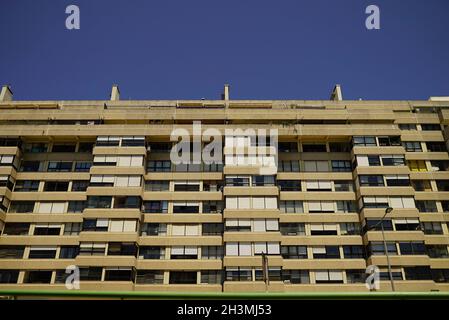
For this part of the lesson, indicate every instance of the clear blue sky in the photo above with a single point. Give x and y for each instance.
(276, 49)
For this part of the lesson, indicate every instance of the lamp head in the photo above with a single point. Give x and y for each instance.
(388, 210)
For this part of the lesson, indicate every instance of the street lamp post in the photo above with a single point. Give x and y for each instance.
(387, 211)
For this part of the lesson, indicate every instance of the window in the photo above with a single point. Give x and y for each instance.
(421, 185)
(417, 165)
(292, 229)
(72, 229)
(412, 146)
(436, 146)
(274, 274)
(349, 228)
(185, 230)
(375, 202)
(377, 248)
(237, 181)
(287, 147)
(314, 147)
(271, 248)
(110, 160)
(343, 185)
(407, 126)
(346, 206)
(442, 185)
(183, 277)
(38, 276)
(393, 160)
(76, 206)
(291, 206)
(319, 185)
(426, 205)
(323, 229)
(289, 185)
(328, 276)
(7, 181)
(68, 252)
(155, 206)
(186, 207)
(56, 186)
(355, 276)
(149, 277)
(86, 147)
(160, 147)
(288, 166)
(417, 273)
(119, 274)
(42, 253)
(295, 276)
(361, 141)
(187, 252)
(294, 252)
(95, 225)
(353, 252)
(123, 226)
(11, 252)
(321, 207)
(439, 165)
(99, 202)
(21, 207)
(265, 225)
(213, 206)
(212, 252)
(59, 166)
(316, 166)
(263, 181)
(80, 185)
(6, 160)
(251, 203)
(407, 224)
(339, 147)
(437, 251)
(238, 249)
(30, 166)
(238, 274)
(105, 141)
(122, 249)
(212, 229)
(157, 185)
(430, 127)
(82, 166)
(341, 166)
(389, 141)
(129, 202)
(238, 225)
(127, 181)
(63, 148)
(438, 275)
(326, 252)
(153, 229)
(432, 227)
(34, 147)
(375, 225)
(371, 181)
(90, 273)
(187, 186)
(9, 276)
(16, 229)
(212, 277)
(26, 185)
(412, 248)
(397, 180)
(47, 229)
(133, 141)
(159, 166)
(92, 249)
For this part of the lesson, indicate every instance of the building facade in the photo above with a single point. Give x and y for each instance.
(92, 185)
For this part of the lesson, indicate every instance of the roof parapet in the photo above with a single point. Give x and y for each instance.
(115, 93)
(336, 94)
(6, 93)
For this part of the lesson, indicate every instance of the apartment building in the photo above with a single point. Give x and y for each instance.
(92, 184)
